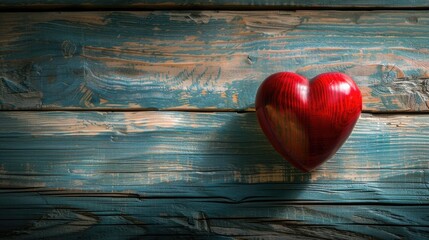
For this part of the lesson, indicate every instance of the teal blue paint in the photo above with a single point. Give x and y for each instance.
(117, 217)
(202, 175)
(140, 177)
(226, 143)
(69, 57)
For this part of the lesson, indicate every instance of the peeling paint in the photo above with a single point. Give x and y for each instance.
(169, 67)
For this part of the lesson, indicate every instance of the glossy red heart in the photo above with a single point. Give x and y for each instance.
(308, 121)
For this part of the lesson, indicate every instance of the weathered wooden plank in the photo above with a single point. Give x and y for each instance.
(213, 4)
(206, 60)
(127, 217)
(130, 174)
(185, 146)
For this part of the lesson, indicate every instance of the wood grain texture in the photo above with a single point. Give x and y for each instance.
(206, 60)
(206, 175)
(307, 122)
(213, 4)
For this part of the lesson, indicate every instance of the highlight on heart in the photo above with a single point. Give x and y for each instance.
(308, 121)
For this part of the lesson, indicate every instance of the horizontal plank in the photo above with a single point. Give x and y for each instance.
(213, 4)
(207, 60)
(152, 148)
(27, 214)
(110, 174)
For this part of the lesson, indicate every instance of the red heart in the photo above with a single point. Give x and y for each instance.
(307, 122)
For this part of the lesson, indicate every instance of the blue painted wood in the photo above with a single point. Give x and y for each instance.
(109, 175)
(254, 4)
(206, 60)
(145, 174)
(126, 217)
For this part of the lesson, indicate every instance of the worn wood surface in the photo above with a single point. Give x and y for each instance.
(213, 4)
(207, 171)
(162, 174)
(206, 60)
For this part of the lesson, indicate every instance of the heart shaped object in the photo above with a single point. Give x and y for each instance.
(308, 121)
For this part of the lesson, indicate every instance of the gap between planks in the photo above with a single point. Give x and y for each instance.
(203, 110)
(211, 199)
(190, 7)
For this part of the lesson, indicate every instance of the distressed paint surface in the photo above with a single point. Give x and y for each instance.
(160, 174)
(255, 4)
(147, 174)
(206, 60)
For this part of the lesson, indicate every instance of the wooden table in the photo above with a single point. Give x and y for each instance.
(140, 123)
